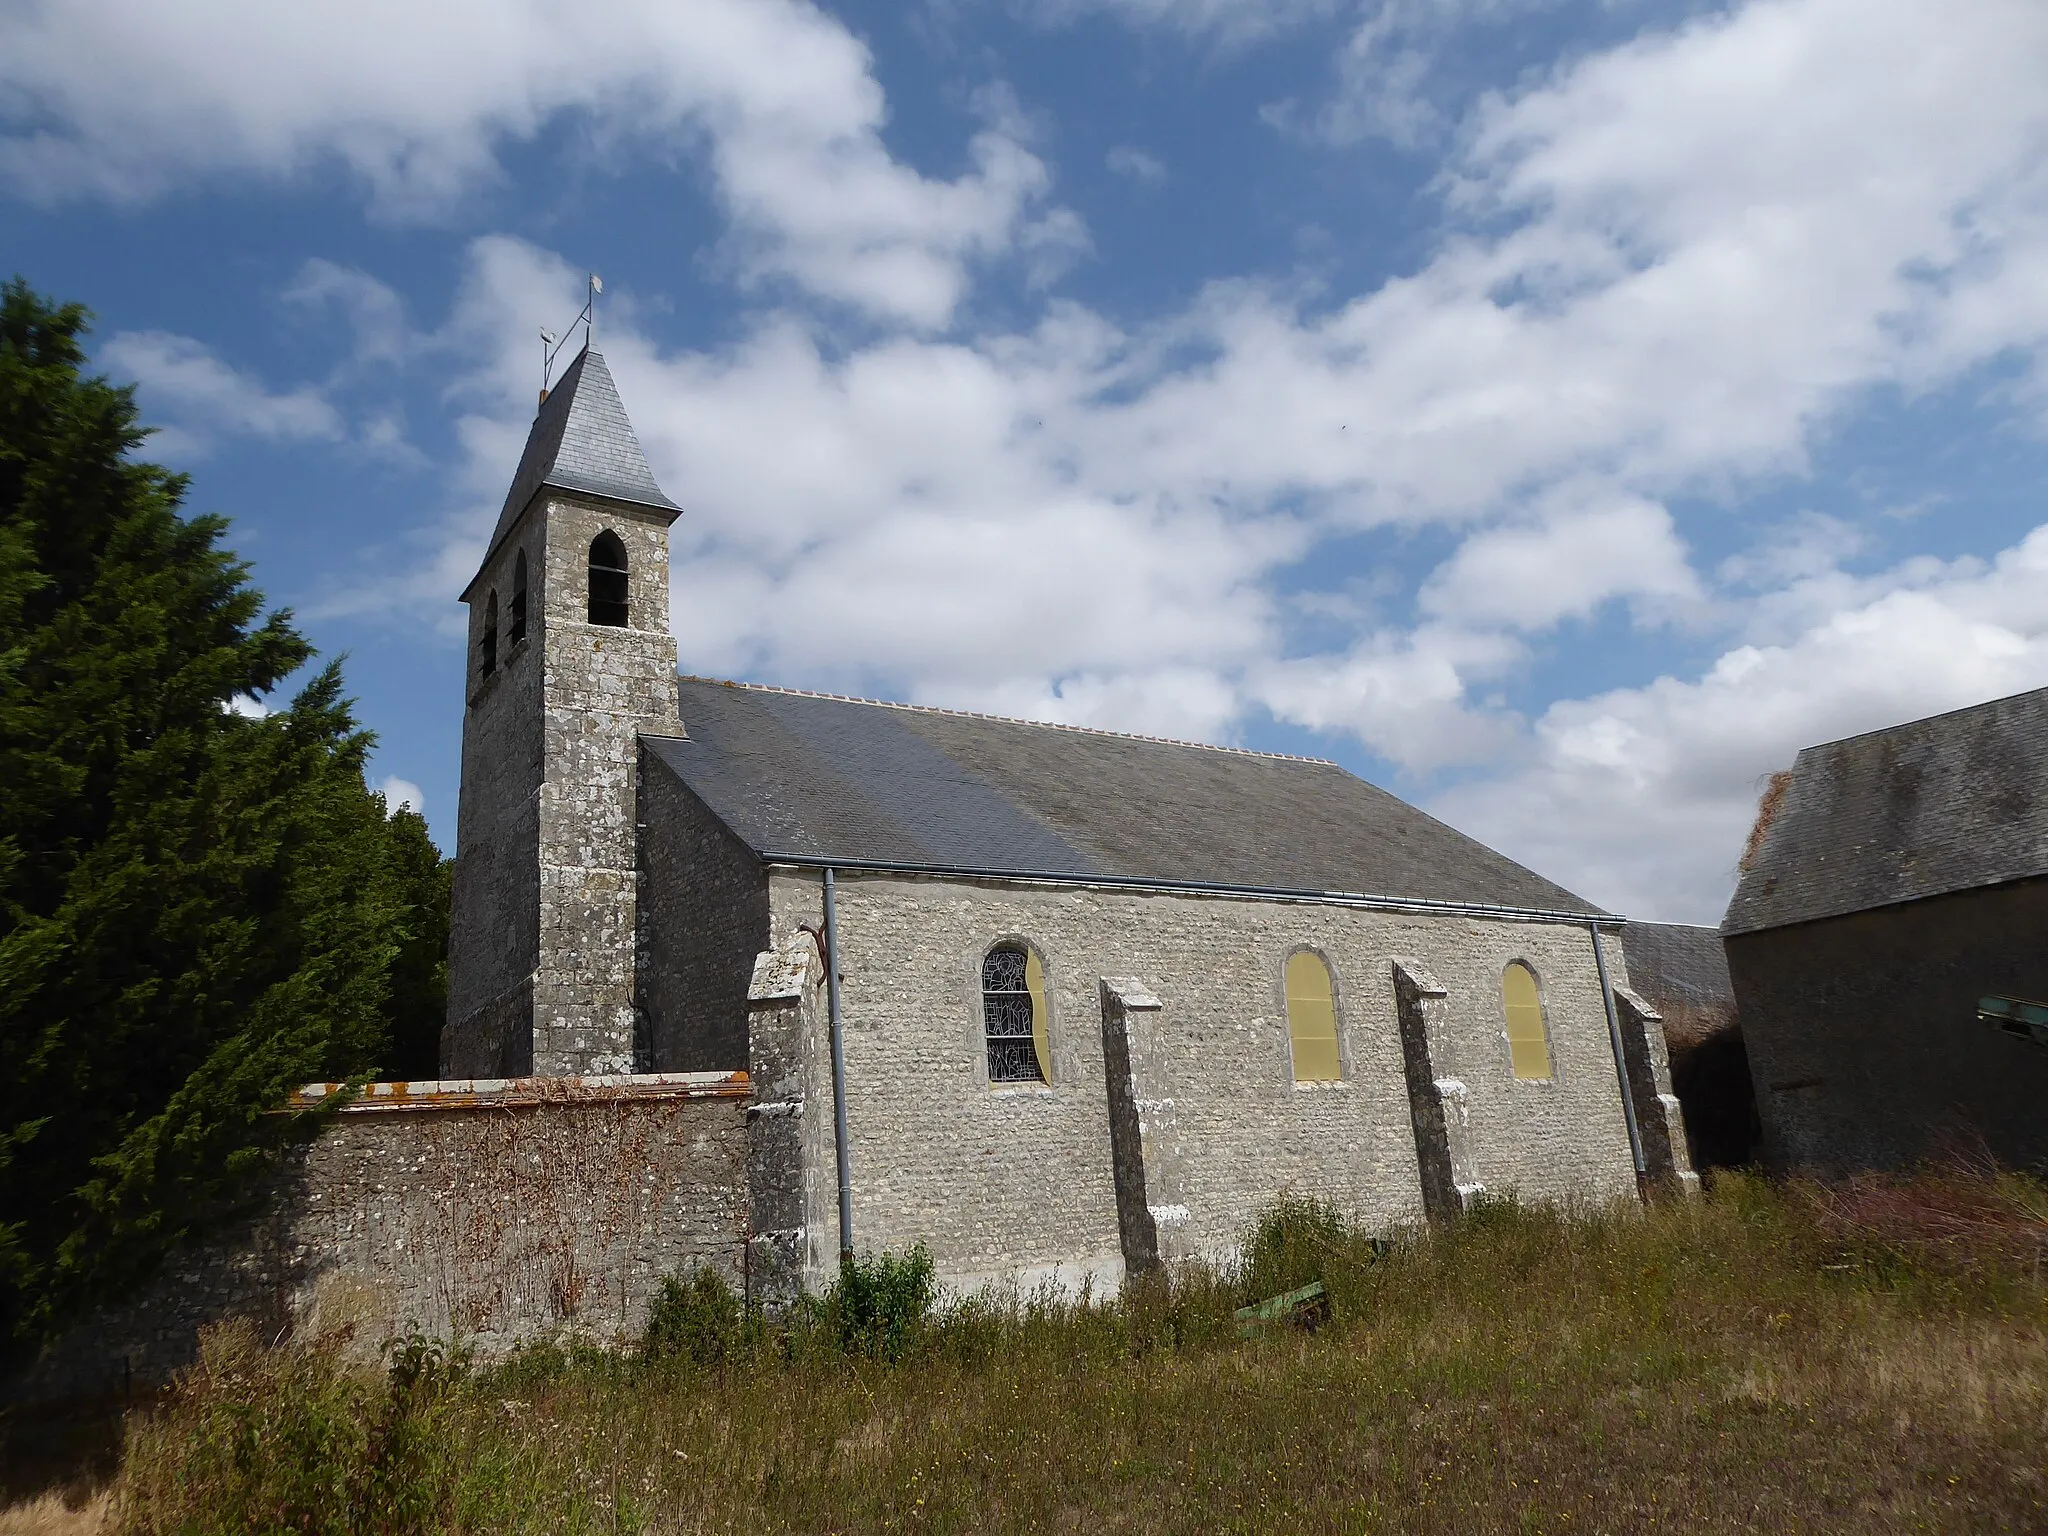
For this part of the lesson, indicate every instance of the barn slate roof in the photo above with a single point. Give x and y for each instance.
(1950, 803)
(581, 441)
(832, 780)
(1678, 965)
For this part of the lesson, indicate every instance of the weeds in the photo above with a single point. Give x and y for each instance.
(1770, 1358)
(879, 1305)
(697, 1318)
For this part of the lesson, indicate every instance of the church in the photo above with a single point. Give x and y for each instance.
(747, 978)
(1058, 1003)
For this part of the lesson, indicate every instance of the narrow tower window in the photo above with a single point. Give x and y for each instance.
(608, 580)
(1528, 1043)
(519, 599)
(487, 651)
(1013, 1015)
(1312, 1018)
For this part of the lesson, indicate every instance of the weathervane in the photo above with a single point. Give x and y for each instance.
(550, 348)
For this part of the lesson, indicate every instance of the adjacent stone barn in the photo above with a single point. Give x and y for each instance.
(1886, 945)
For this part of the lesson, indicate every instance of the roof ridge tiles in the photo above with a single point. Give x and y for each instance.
(1924, 720)
(976, 714)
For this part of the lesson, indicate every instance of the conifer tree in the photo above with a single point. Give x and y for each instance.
(201, 904)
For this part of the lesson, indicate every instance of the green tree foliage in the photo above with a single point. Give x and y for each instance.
(199, 907)
(419, 970)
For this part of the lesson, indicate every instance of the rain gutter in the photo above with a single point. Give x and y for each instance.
(1143, 884)
(838, 1071)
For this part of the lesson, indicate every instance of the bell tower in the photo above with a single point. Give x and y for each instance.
(570, 661)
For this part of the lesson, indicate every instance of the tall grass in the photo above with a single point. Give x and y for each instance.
(1771, 1358)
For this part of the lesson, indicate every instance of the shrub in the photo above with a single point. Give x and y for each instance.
(1292, 1243)
(695, 1318)
(880, 1304)
(293, 1438)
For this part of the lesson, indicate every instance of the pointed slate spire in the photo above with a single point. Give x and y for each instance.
(582, 441)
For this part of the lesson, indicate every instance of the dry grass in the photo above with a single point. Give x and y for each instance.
(1873, 1358)
(1688, 1026)
(50, 1514)
(1772, 801)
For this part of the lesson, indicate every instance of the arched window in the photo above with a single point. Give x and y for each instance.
(608, 580)
(1013, 1015)
(1528, 1043)
(519, 599)
(1312, 1018)
(487, 651)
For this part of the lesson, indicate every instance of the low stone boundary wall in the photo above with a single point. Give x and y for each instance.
(491, 1211)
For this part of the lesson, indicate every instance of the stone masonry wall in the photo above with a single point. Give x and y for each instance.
(487, 1212)
(1017, 1181)
(495, 937)
(703, 905)
(603, 686)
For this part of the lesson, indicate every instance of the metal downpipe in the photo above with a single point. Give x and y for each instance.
(839, 1071)
(1628, 1097)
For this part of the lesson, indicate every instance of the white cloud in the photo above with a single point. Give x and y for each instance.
(401, 794)
(1226, 21)
(1562, 565)
(1389, 82)
(1383, 82)
(373, 309)
(1137, 164)
(1403, 693)
(127, 99)
(204, 396)
(1697, 271)
(1808, 546)
(1666, 270)
(904, 515)
(1641, 796)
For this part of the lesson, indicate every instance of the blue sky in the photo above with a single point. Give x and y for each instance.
(1557, 413)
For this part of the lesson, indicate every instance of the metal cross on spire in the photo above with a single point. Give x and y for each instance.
(551, 348)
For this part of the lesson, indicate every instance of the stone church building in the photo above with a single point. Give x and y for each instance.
(1073, 1003)
(1098, 997)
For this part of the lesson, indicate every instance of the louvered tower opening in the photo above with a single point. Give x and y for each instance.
(608, 580)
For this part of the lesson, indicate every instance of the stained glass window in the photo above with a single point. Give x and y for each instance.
(1013, 1015)
(1312, 1018)
(1528, 1045)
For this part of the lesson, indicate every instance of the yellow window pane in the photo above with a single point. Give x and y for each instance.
(1531, 1059)
(1034, 983)
(1527, 1048)
(1312, 1019)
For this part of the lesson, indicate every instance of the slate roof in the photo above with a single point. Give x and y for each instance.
(1678, 965)
(581, 441)
(826, 779)
(1950, 803)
